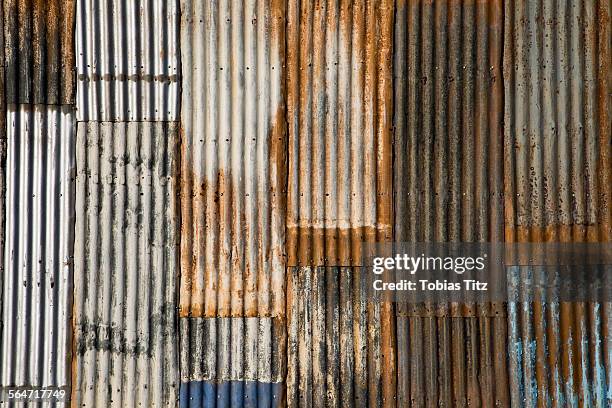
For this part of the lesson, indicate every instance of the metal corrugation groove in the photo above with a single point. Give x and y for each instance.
(232, 296)
(558, 189)
(448, 185)
(39, 51)
(127, 60)
(126, 265)
(339, 109)
(37, 279)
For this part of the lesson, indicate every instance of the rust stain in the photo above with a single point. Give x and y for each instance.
(215, 283)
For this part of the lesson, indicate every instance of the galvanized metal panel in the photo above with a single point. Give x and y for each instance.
(557, 188)
(448, 185)
(39, 51)
(37, 278)
(339, 109)
(127, 60)
(232, 244)
(126, 265)
(233, 199)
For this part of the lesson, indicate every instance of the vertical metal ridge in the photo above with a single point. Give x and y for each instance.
(38, 51)
(233, 198)
(126, 264)
(127, 60)
(557, 188)
(448, 153)
(37, 278)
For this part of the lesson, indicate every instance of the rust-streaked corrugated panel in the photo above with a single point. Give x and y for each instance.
(339, 109)
(127, 60)
(39, 51)
(448, 181)
(126, 265)
(558, 188)
(233, 200)
(37, 279)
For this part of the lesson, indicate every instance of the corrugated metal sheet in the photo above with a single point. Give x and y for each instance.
(39, 51)
(127, 60)
(37, 279)
(233, 199)
(335, 348)
(448, 187)
(558, 188)
(339, 109)
(126, 265)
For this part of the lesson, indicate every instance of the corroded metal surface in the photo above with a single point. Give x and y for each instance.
(127, 60)
(339, 110)
(126, 265)
(233, 202)
(448, 187)
(37, 279)
(39, 51)
(557, 188)
(233, 163)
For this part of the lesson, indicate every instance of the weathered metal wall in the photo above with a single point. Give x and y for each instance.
(37, 280)
(126, 265)
(339, 111)
(557, 188)
(232, 296)
(448, 186)
(127, 60)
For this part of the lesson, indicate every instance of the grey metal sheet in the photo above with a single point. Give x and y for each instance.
(127, 57)
(37, 279)
(126, 265)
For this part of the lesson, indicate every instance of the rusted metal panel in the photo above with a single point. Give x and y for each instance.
(557, 188)
(126, 265)
(339, 109)
(39, 51)
(448, 185)
(233, 198)
(232, 243)
(127, 60)
(37, 278)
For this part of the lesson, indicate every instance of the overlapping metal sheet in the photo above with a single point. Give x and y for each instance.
(558, 188)
(37, 279)
(339, 111)
(232, 296)
(127, 57)
(126, 265)
(448, 185)
(39, 51)
(335, 349)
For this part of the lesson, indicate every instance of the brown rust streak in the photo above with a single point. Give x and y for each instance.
(187, 261)
(384, 180)
(67, 77)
